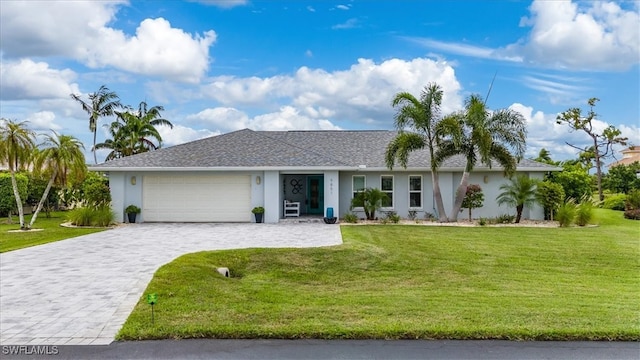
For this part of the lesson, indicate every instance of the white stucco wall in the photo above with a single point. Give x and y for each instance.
(331, 192)
(272, 202)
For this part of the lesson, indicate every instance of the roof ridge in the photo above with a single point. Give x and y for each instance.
(263, 133)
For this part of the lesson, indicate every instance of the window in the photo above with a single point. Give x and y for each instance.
(359, 184)
(386, 186)
(415, 191)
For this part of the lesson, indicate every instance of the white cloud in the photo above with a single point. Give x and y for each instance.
(311, 9)
(32, 28)
(289, 118)
(564, 35)
(464, 49)
(43, 121)
(222, 118)
(226, 4)
(308, 53)
(360, 94)
(349, 24)
(26, 79)
(342, 7)
(182, 134)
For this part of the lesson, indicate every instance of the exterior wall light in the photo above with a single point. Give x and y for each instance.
(133, 180)
(258, 180)
(486, 179)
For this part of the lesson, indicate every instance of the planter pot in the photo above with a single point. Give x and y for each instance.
(132, 217)
(258, 217)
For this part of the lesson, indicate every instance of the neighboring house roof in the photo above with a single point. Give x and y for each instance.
(248, 149)
(629, 156)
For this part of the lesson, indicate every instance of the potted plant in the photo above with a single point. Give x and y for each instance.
(132, 211)
(258, 211)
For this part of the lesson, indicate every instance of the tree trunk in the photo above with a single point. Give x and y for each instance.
(519, 213)
(16, 194)
(599, 174)
(437, 195)
(469, 214)
(44, 197)
(460, 194)
(95, 157)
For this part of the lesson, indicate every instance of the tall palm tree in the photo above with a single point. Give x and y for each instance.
(421, 116)
(101, 103)
(481, 137)
(519, 192)
(134, 132)
(61, 155)
(16, 146)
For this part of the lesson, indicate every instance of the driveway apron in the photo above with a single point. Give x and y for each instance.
(81, 290)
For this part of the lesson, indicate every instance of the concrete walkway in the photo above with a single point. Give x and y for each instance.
(81, 290)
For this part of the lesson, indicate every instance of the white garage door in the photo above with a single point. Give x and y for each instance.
(196, 198)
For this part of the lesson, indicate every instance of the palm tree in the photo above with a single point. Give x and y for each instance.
(480, 136)
(101, 103)
(61, 155)
(421, 116)
(16, 145)
(134, 132)
(519, 192)
(370, 200)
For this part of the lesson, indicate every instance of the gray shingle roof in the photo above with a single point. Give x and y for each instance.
(252, 149)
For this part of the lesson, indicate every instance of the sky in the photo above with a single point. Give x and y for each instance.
(222, 65)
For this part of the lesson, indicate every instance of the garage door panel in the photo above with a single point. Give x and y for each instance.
(197, 198)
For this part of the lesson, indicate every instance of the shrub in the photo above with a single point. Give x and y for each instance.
(584, 213)
(615, 202)
(350, 218)
(633, 200)
(96, 193)
(482, 221)
(632, 214)
(413, 214)
(429, 216)
(566, 214)
(90, 216)
(392, 217)
(505, 219)
(550, 195)
(7, 198)
(473, 198)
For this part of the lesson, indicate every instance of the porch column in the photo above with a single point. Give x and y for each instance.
(272, 203)
(331, 192)
(117, 188)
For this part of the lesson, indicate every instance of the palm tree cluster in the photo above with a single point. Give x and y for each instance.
(56, 157)
(477, 134)
(133, 131)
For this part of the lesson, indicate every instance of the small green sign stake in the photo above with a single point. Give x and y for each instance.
(152, 299)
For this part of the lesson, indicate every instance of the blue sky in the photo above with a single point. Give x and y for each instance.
(219, 66)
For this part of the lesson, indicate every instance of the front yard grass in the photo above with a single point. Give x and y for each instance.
(51, 231)
(409, 282)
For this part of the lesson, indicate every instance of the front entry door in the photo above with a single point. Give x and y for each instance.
(315, 194)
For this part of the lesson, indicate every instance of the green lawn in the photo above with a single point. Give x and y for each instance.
(52, 231)
(394, 281)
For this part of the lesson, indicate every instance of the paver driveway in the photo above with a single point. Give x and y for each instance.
(81, 290)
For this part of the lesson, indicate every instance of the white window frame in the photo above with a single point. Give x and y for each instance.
(393, 187)
(409, 192)
(353, 190)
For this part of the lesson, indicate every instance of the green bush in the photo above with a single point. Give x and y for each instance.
(413, 214)
(505, 219)
(615, 202)
(566, 214)
(7, 198)
(392, 217)
(96, 193)
(584, 213)
(350, 218)
(633, 200)
(92, 216)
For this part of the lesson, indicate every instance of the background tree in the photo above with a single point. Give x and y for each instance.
(421, 116)
(602, 142)
(61, 154)
(481, 137)
(622, 178)
(371, 200)
(16, 145)
(134, 132)
(473, 199)
(37, 185)
(550, 195)
(575, 181)
(519, 192)
(544, 156)
(101, 103)
(7, 197)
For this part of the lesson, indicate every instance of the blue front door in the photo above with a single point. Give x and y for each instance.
(315, 194)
